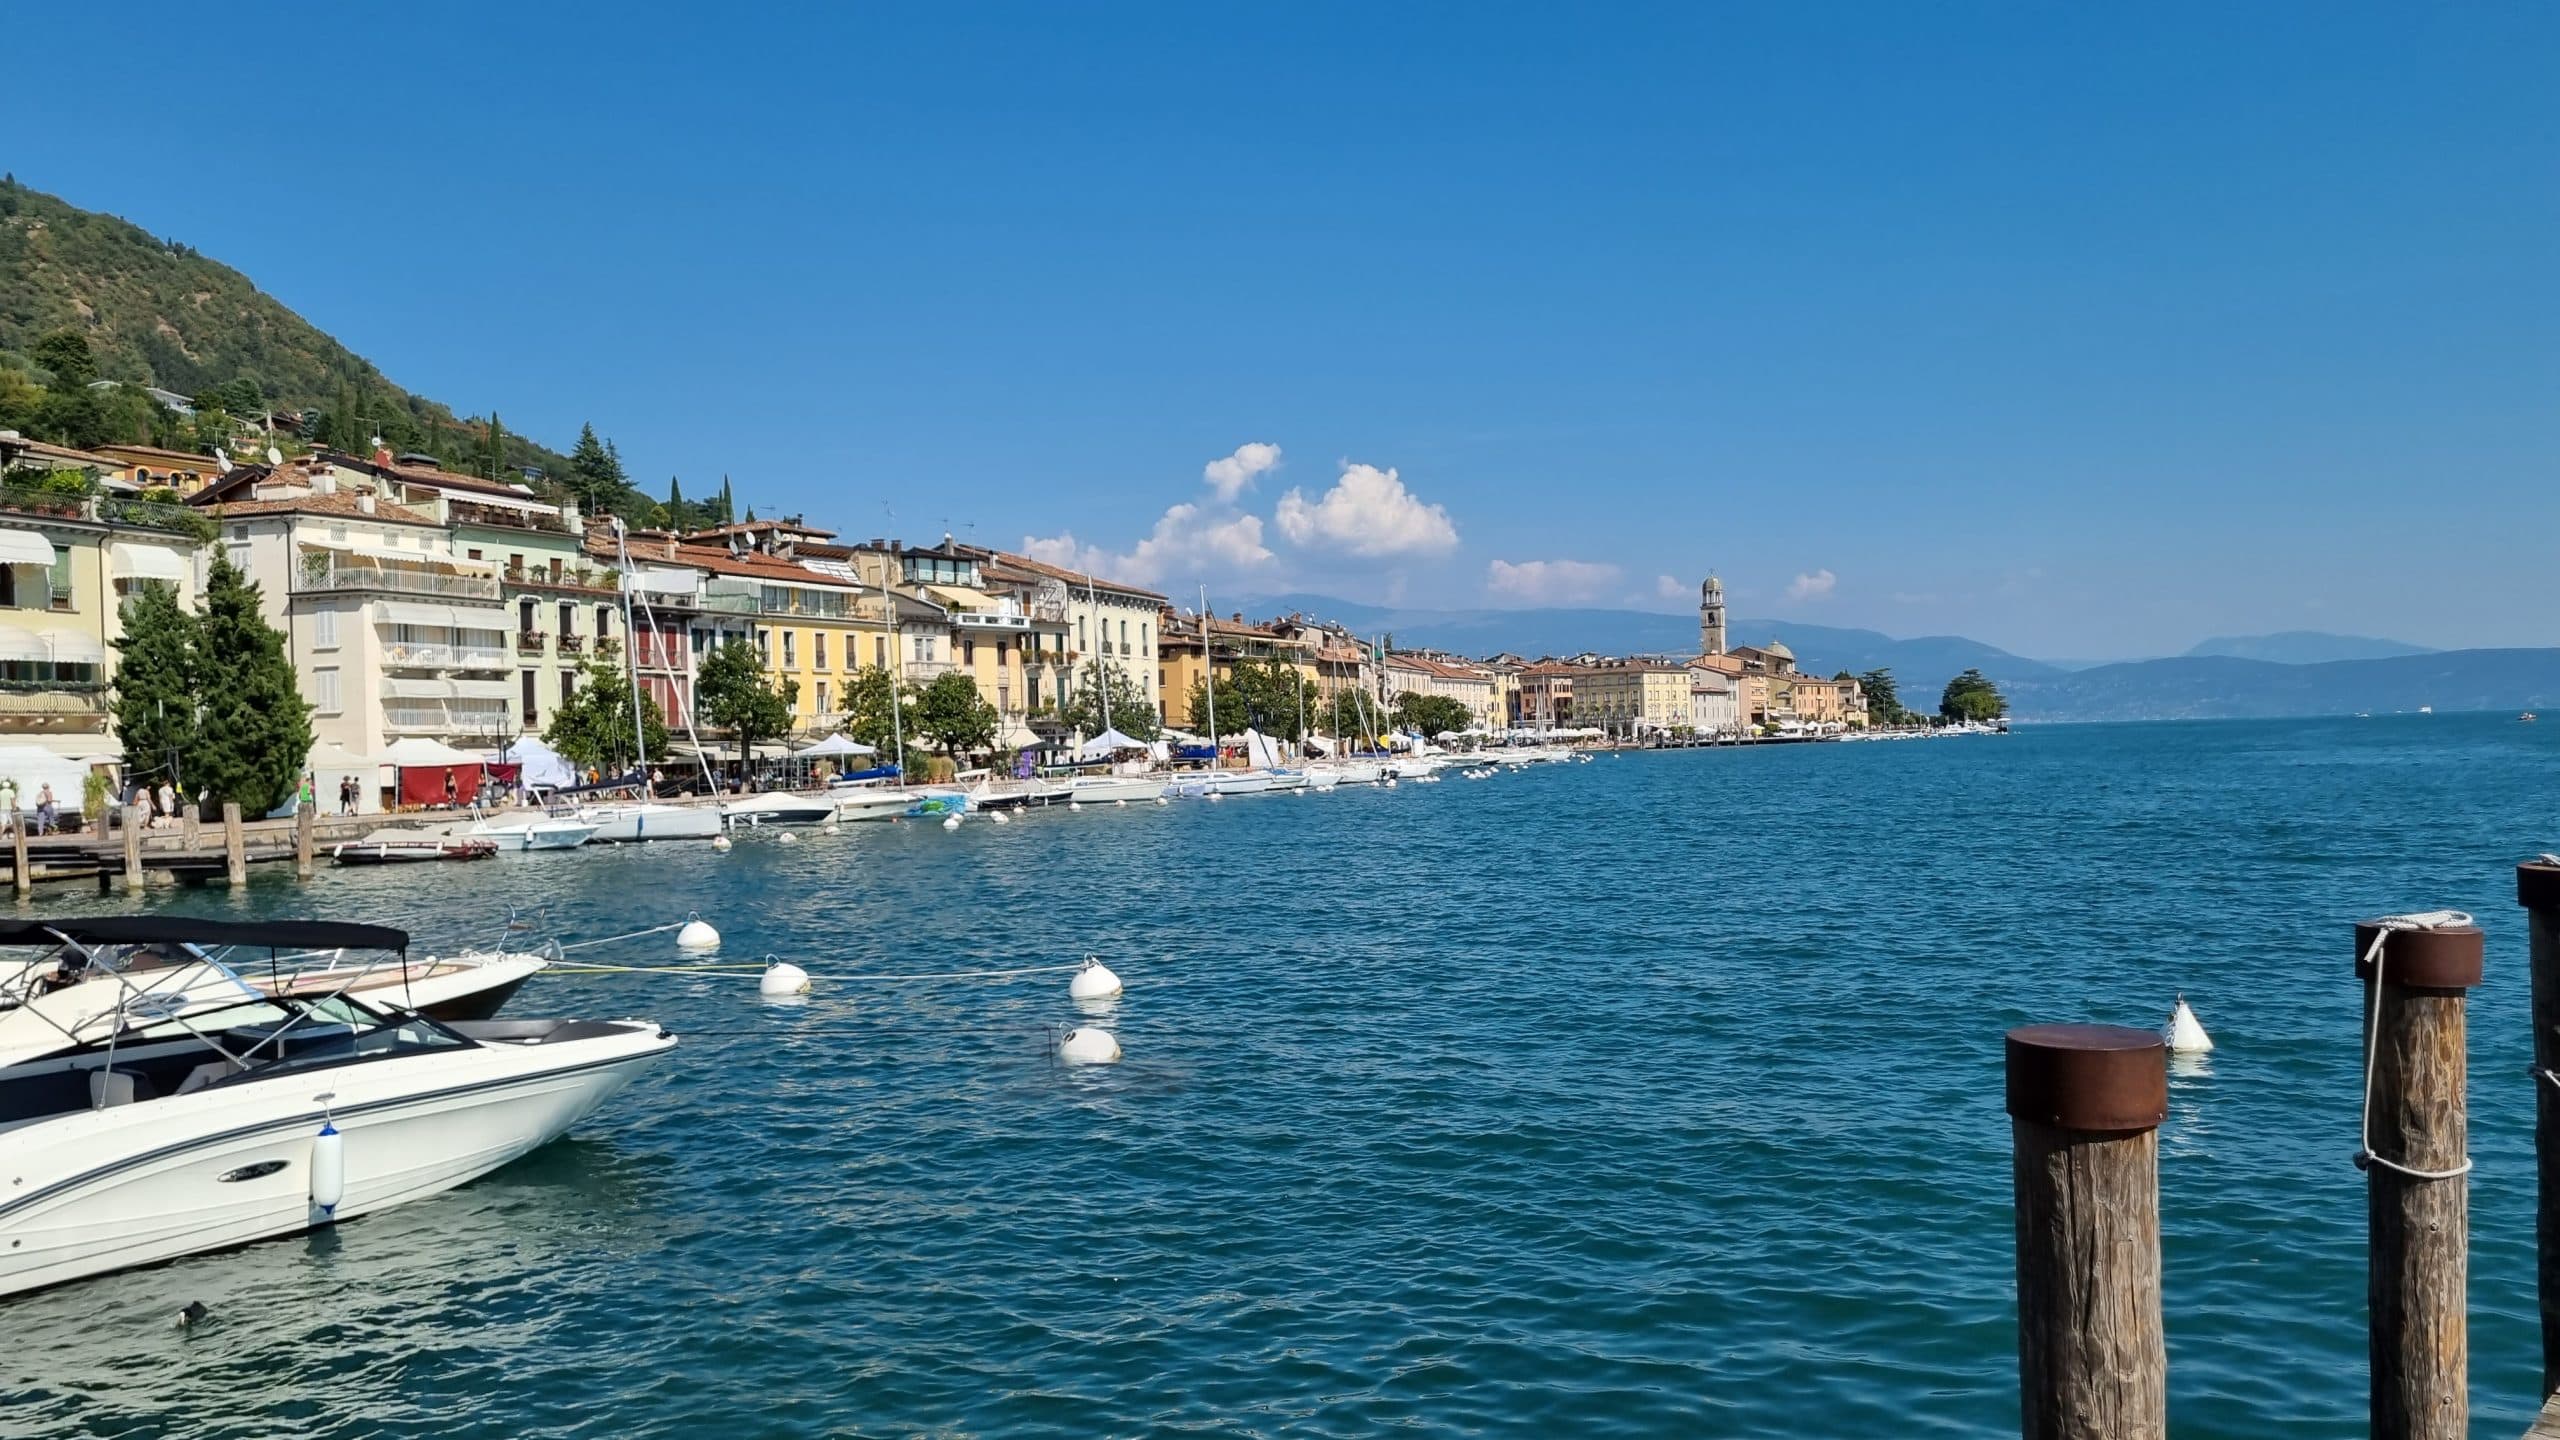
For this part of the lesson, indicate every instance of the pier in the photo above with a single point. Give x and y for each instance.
(2085, 1101)
(136, 856)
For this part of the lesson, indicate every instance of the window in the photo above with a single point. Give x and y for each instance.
(764, 646)
(529, 709)
(568, 617)
(879, 648)
(822, 698)
(604, 621)
(924, 647)
(1124, 637)
(818, 653)
(514, 562)
(524, 617)
(568, 685)
(969, 651)
(790, 651)
(999, 657)
(473, 554)
(1080, 633)
(324, 629)
(61, 579)
(324, 691)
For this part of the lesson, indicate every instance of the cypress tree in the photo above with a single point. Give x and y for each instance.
(677, 517)
(154, 704)
(728, 508)
(255, 734)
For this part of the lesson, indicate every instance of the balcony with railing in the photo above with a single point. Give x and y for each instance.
(104, 510)
(328, 578)
(39, 702)
(447, 717)
(443, 657)
(530, 642)
(929, 670)
(571, 644)
(506, 517)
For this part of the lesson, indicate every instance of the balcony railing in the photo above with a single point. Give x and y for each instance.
(574, 644)
(464, 512)
(105, 509)
(48, 699)
(338, 578)
(930, 669)
(443, 657)
(459, 717)
(530, 642)
(990, 620)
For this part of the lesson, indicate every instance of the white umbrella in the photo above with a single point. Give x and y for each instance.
(837, 745)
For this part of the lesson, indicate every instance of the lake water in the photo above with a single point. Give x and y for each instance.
(1654, 1096)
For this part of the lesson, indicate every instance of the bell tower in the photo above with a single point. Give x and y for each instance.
(1711, 617)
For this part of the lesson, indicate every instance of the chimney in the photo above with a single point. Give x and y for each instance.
(365, 503)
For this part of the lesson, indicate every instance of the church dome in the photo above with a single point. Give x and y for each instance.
(1778, 648)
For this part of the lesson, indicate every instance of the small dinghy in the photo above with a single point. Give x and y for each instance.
(399, 849)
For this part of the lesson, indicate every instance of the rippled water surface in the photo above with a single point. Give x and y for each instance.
(1654, 1096)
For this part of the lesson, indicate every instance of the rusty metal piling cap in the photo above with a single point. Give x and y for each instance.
(2538, 885)
(2101, 1078)
(2450, 958)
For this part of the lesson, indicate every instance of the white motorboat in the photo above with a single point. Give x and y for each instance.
(1241, 782)
(470, 985)
(1319, 777)
(532, 831)
(870, 803)
(1105, 789)
(143, 1123)
(1356, 772)
(1288, 780)
(779, 807)
(629, 822)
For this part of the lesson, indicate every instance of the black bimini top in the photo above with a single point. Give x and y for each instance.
(198, 930)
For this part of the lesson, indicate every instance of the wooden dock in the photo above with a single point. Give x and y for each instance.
(185, 854)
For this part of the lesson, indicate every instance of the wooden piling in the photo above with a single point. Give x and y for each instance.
(133, 819)
(235, 849)
(20, 875)
(2538, 891)
(306, 823)
(2418, 1225)
(2085, 1105)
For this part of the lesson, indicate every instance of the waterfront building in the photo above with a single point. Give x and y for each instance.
(151, 467)
(1469, 684)
(675, 617)
(1544, 699)
(1837, 701)
(67, 562)
(394, 634)
(1715, 705)
(1189, 646)
(1633, 697)
(1071, 620)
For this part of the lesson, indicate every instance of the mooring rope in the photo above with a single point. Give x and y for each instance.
(634, 935)
(885, 977)
(2423, 920)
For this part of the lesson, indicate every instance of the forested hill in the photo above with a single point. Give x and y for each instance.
(157, 313)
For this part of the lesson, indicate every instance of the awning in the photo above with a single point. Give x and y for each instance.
(25, 547)
(440, 617)
(406, 688)
(422, 557)
(18, 644)
(137, 561)
(962, 596)
(836, 745)
(415, 751)
(661, 581)
(70, 647)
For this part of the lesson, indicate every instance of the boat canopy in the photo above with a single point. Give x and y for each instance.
(197, 930)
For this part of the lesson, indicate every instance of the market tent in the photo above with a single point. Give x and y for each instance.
(425, 766)
(1109, 742)
(541, 764)
(330, 765)
(32, 767)
(836, 745)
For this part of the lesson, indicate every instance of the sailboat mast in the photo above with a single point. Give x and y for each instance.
(1209, 677)
(631, 665)
(1101, 677)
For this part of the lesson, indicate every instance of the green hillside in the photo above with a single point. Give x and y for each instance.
(154, 312)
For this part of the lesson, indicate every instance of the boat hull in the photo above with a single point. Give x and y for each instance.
(1109, 789)
(872, 805)
(229, 1164)
(633, 824)
(779, 810)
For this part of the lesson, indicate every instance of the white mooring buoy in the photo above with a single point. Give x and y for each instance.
(697, 934)
(783, 978)
(1088, 1046)
(1123, 804)
(829, 828)
(722, 843)
(1162, 801)
(2184, 1033)
(950, 822)
(787, 838)
(999, 817)
(1094, 982)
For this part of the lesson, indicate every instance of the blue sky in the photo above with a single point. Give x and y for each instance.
(2087, 332)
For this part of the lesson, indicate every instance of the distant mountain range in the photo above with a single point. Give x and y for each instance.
(2299, 672)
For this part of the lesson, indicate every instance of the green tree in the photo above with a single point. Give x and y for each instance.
(951, 714)
(154, 703)
(237, 396)
(254, 735)
(1229, 719)
(867, 702)
(1273, 697)
(595, 473)
(1431, 714)
(731, 692)
(728, 507)
(1972, 696)
(67, 355)
(493, 451)
(1130, 713)
(593, 726)
(1884, 700)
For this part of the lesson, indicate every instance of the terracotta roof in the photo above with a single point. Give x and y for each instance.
(428, 476)
(750, 527)
(1441, 668)
(754, 567)
(340, 503)
(63, 452)
(155, 452)
(1072, 577)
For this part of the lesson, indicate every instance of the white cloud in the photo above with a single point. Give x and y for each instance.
(1549, 581)
(1186, 543)
(1233, 475)
(1368, 512)
(1670, 587)
(1813, 586)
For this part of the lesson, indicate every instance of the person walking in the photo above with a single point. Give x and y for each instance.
(452, 792)
(309, 799)
(8, 806)
(168, 803)
(46, 809)
(346, 794)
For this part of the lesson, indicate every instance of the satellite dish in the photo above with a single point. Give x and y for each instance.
(222, 461)
(274, 456)
(377, 442)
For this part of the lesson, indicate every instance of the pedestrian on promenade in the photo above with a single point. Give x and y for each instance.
(46, 809)
(309, 799)
(346, 794)
(452, 791)
(168, 803)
